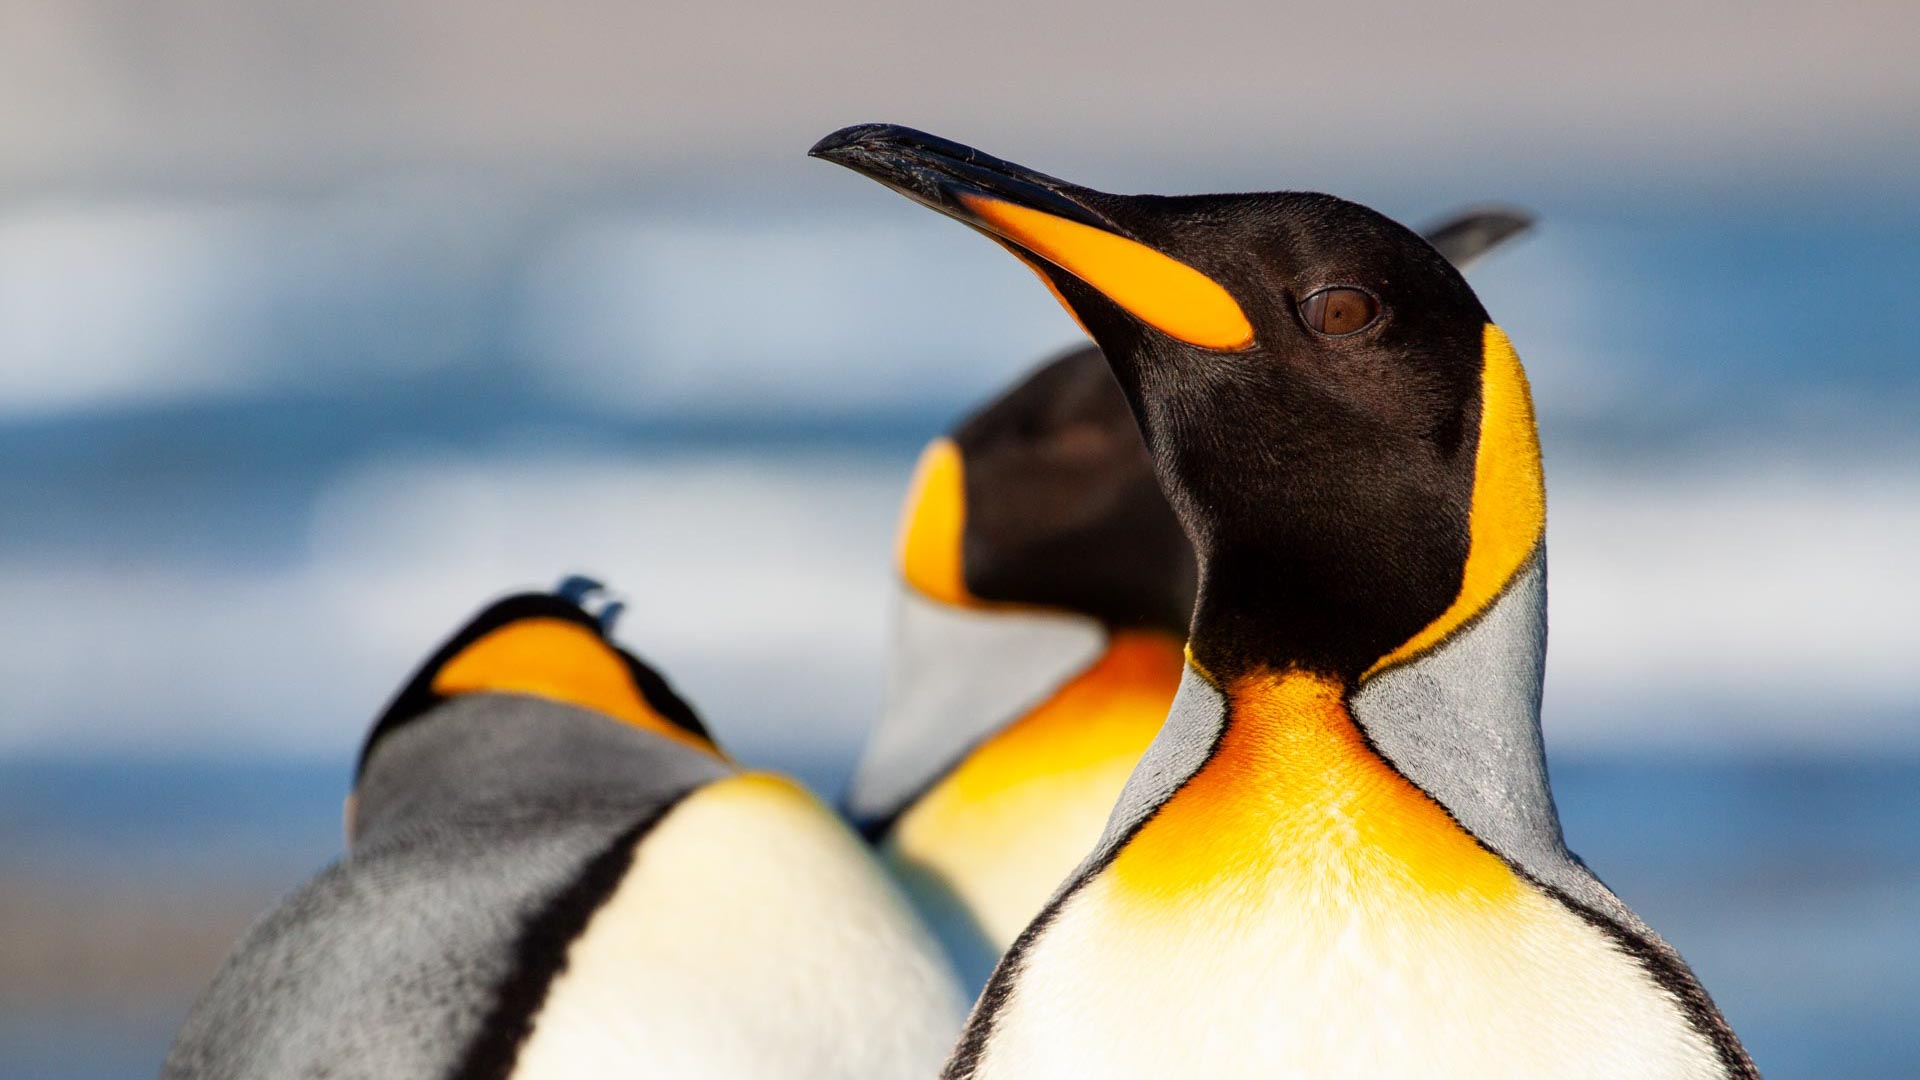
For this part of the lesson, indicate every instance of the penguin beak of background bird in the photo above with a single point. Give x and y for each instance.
(1041, 220)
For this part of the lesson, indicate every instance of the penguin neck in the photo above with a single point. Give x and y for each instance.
(958, 673)
(1293, 787)
(996, 831)
(1447, 692)
(1459, 719)
(500, 756)
(1097, 713)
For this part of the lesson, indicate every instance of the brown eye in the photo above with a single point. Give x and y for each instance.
(1339, 310)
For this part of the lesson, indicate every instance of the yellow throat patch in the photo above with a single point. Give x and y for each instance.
(1293, 791)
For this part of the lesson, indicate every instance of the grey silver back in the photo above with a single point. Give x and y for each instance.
(411, 956)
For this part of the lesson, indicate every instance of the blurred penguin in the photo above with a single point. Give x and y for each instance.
(1045, 592)
(555, 872)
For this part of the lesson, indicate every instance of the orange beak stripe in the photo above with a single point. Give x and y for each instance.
(1159, 290)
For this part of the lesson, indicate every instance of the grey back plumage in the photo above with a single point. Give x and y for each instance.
(507, 755)
(473, 822)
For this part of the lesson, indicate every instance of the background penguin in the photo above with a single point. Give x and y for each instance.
(1045, 588)
(1045, 592)
(1340, 856)
(553, 872)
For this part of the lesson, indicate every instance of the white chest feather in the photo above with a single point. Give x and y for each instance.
(1298, 909)
(753, 937)
(1316, 981)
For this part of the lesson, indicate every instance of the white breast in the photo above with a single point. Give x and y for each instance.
(753, 937)
(1308, 979)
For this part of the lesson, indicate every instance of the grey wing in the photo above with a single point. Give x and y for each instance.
(386, 964)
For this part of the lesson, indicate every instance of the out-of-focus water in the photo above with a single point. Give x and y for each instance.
(244, 449)
(1792, 886)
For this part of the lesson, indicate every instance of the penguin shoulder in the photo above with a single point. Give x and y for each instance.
(391, 961)
(750, 900)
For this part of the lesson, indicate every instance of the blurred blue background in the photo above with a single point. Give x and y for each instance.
(322, 324)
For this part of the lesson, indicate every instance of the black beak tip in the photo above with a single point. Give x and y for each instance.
(838, 144)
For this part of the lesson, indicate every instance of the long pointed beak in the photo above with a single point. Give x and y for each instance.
(947, 176)
(1042, 218)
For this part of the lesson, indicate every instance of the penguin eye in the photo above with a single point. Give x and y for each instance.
(1339, 311)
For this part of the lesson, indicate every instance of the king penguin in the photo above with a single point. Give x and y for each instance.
(554, 872)
(1339, 857)
(1044, 592)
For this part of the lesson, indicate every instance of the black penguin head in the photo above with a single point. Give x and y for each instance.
(1308, 374)
(1057, 506)
(551, 645)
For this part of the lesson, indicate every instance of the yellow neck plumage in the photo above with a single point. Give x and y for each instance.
(1293, 789)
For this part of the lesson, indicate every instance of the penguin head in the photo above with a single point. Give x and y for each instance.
(556, 646)
(1046, 498)
(1314, 381)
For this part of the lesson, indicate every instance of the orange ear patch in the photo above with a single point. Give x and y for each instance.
(1509, 514)
(561, 661)
(932, 528)
(1157, 289)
